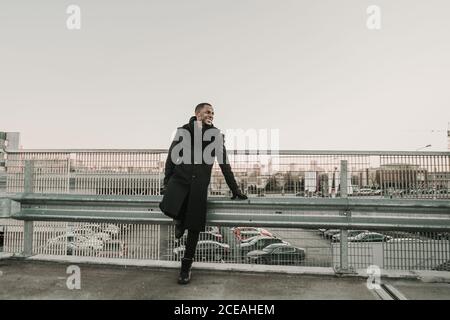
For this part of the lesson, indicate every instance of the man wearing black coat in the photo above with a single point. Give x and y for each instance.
(187, 176)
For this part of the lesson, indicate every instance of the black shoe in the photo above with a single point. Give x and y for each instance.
(185, 272)
(179, 229)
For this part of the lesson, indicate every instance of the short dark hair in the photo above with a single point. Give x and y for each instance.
(200, 106)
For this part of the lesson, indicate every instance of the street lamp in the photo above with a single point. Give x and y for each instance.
(427, 146)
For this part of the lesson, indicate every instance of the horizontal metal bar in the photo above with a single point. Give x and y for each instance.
(79, 215)
(12, 151)
(234, 219)
(48, 198)
(243, 152)
(275, 205)
(385, 214)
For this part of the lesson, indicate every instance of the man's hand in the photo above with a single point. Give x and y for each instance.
(239, 195)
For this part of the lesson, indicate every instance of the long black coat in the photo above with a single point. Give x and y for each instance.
(186, 184)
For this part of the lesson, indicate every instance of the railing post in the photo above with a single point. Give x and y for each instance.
(164, 233)
(27, 239)
(343, 261)
(2, 162)
(28, 225)
(344, 251)
(28, 177)
(343, 179)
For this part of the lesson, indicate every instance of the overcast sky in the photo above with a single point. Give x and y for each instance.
(312, 69)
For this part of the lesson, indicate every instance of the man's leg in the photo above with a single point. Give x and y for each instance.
(179, 228)
(179, 223)
(186, 261)
(191, 244)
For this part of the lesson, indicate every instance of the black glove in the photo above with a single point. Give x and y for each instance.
(239, 195)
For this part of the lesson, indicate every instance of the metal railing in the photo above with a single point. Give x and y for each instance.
(142, 232)
(402, 195)
(393, 174)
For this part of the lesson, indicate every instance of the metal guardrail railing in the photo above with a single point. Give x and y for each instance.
(344, 190)
(388, 214)
(338, 213)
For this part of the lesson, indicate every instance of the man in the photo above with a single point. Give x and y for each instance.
(187, 177)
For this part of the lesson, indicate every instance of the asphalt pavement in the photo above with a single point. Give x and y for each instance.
(20, 279)
(32, 279)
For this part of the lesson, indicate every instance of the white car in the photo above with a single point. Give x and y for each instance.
(351, 234)
(212, 229)
(90, 232)
(109, 228)
(76, 242)
(369, 237)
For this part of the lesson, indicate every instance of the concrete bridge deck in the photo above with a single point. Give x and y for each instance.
(37, 279)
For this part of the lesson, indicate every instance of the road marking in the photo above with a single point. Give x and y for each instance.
(394, 292)
(383, 294)
(389, 292)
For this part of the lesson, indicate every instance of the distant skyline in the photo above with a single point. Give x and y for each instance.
(311, 69)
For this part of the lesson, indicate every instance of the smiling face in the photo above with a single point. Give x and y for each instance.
(205, 115)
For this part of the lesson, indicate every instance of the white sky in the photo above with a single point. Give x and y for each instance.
(311, 69)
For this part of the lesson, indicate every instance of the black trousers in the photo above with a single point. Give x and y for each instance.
(191, 244)
(192, 238)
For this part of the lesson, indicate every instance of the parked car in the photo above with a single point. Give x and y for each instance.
(239, 229)
(277, 253)
(351, 234)
(443, 235)
(396, 192)
(89, 231)
(213, 229)
(109, 228)
(207, 250)
(76, 242)
(114, 249)
(258, 243)
(369, 237)
(251, 239)
(445, 266)
(366, 192)
(243, 233)
(264, 232)
(248, 234)
(331, 232)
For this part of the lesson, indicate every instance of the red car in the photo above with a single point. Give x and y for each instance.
(243, 233)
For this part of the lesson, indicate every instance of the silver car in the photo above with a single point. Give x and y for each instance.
(76, 243)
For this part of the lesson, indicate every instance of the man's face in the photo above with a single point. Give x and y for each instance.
(206, 115)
